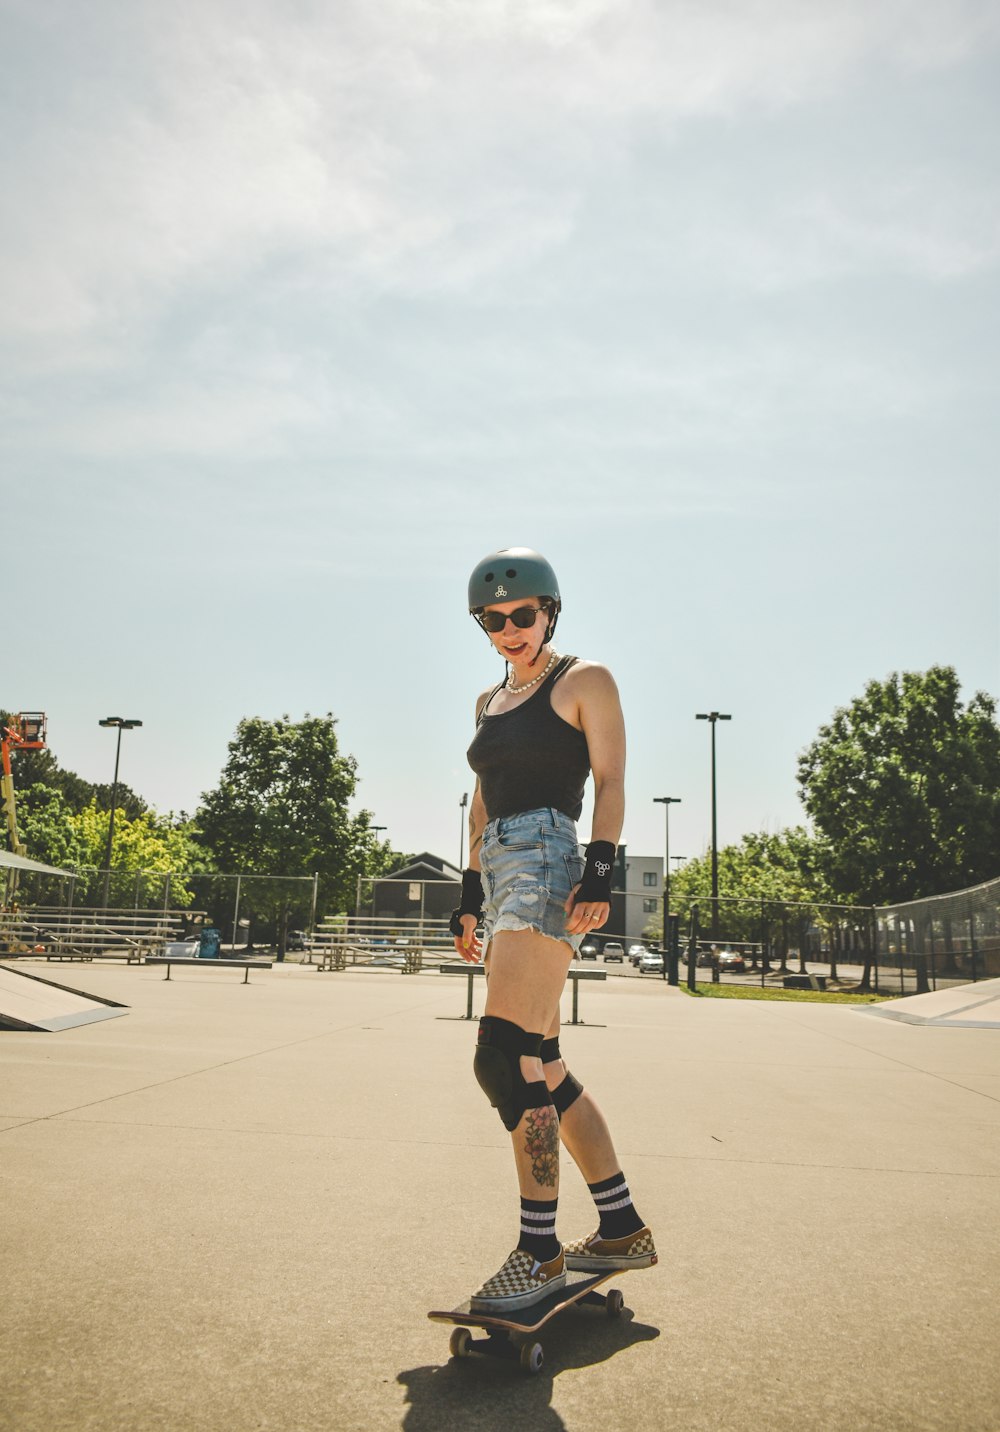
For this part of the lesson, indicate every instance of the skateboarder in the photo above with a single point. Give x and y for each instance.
(539, 732)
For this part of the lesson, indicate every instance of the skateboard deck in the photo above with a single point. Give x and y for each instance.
(510, 1335)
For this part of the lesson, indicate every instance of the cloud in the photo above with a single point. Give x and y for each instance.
(420, 143)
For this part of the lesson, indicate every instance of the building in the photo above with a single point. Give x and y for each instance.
(636, 896)
(643, 894)
(425, 887)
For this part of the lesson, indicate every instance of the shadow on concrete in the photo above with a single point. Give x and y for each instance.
(485, 1393)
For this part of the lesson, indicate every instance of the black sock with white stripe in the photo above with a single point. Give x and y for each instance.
(538, 1229)
(614, 1204)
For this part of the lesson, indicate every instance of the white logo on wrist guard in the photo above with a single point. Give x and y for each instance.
(601, 868)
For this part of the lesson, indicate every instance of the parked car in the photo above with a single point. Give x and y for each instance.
(182, 949)
(651, 962)
(614, 951)
(635, 953)
(297, 941)
(588, 950)
(732, 961)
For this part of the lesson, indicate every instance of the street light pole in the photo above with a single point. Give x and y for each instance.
(121, 724)
(712, 717)
(461, 830)
(374, 829)
(666, 802)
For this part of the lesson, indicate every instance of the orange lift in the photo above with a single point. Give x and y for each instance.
(26, 733)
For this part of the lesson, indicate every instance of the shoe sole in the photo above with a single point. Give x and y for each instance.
(608, 1265)
(497, 1307)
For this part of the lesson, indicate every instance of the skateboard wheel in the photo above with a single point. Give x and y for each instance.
(458, 1343)
(614, 1302)
(532, 1357)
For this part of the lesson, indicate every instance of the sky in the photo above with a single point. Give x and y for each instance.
(306, 308)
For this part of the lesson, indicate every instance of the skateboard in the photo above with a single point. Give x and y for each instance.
(513, 1336)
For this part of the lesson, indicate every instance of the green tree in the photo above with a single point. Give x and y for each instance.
(763, 866)
(145, 849)
(47, 828)
(903, 789)
(281, 808)
(772, 890)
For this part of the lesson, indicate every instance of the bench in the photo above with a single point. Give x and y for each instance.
(245, 965)
(575, 975)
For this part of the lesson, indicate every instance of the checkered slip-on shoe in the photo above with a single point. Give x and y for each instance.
(520, 1282)
(602, 1255)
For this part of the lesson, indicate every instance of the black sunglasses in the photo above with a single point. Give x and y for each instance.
(524, 617)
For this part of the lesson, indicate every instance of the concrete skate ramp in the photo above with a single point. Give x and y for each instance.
(29, 1002)
(968, 1006)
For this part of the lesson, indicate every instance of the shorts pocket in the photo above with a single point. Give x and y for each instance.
(574, 869)
(520, 841)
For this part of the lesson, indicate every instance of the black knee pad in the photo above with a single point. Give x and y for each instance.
(570, 1089)
(497, 1067)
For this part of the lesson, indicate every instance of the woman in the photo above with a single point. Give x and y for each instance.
(538, 733)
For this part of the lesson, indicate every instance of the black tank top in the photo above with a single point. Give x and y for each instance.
(529, 757)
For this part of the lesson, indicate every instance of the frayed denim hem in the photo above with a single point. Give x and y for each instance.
(514, 925)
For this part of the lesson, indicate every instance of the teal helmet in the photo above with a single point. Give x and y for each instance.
(510, 574)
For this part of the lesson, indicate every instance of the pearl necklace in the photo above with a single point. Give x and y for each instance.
(516, 690)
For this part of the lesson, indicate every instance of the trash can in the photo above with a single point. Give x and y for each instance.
(208, 943)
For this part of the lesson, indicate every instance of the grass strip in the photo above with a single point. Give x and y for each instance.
(810, 996)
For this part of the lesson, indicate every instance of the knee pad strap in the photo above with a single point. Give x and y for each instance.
(497, 1067)
(566, 1094)
(570, 1089)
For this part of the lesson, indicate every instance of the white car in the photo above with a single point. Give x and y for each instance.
(651, 961)
(182, 949)
(635, 953)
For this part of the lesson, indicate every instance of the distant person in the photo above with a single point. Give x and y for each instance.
(539, 732)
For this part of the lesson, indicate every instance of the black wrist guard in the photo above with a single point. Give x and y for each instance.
(472, 901)
(596, 882)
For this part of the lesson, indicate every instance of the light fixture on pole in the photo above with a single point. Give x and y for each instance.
(463, 803)
(121, 724)
(712, 717)
(666, 802)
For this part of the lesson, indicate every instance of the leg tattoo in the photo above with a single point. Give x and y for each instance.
(541, 1144)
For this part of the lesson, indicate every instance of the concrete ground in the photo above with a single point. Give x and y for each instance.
(232, 1208)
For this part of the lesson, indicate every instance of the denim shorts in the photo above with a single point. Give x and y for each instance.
(530, 862)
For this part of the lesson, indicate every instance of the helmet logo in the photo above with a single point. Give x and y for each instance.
(501, 591)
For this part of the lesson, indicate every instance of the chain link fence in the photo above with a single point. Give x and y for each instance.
(904, 948)
(954, 938)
